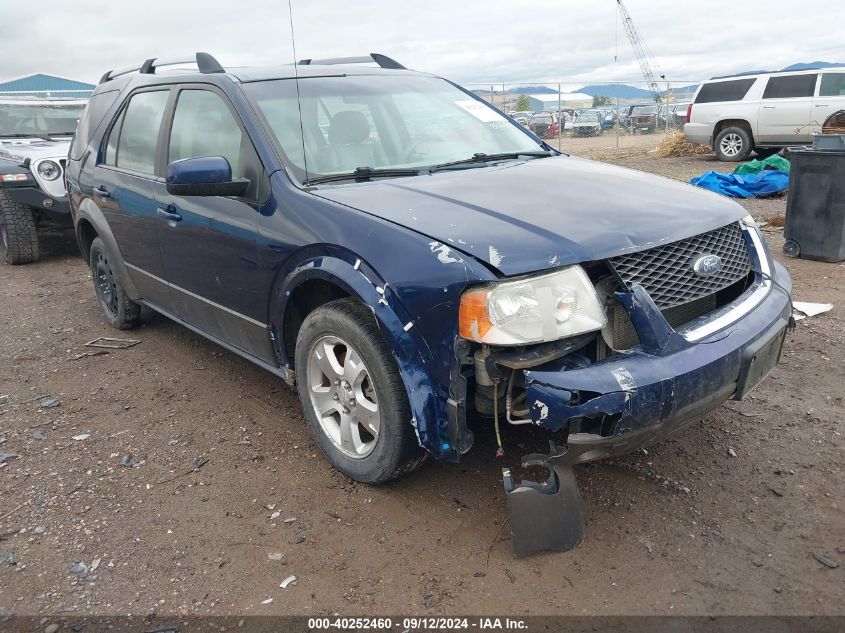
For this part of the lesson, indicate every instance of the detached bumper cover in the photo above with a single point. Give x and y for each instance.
(644, 396)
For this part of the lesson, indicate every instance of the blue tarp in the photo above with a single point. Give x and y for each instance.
(765, 183)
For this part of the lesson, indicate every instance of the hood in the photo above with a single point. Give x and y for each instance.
(543, 213)
(19, 149)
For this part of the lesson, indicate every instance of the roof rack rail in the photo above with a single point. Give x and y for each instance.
(382, 60)
(751, 73)
(205, 64)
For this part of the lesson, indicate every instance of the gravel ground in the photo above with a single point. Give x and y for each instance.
(176, 478)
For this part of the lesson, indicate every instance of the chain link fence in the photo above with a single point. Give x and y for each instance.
(609, 119)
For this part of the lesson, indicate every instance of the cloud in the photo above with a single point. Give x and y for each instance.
(536, 41)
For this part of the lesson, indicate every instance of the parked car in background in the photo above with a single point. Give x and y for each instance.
(403, 270)
(544, 124)
(763, 113)
(608, 119)
(645, 118)
(677, 113)
(588, 123)
(35, 135)
(522, 116)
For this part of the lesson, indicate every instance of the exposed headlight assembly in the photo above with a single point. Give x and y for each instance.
(531, 310)
(49, 169)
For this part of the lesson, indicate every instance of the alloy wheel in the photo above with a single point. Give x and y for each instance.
(343, 396)
(731, 145)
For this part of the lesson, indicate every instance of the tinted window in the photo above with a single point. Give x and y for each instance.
(790, 86)
(111, 146)
(203, 125)
(136, 147)
(733, 90)
(833, 85)
(96, 109)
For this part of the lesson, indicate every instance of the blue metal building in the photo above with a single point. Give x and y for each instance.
(43, 85)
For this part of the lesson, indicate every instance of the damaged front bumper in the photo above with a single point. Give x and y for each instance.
(632, 400)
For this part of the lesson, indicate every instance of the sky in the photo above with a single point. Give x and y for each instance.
(575, 42)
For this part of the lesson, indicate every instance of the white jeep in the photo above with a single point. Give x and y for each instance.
(35, 135)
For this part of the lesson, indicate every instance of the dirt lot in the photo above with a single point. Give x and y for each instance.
(726, 518)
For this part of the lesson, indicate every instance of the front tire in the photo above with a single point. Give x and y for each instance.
(120, 311)
(353, 395)
(18, 234)
(733, 145)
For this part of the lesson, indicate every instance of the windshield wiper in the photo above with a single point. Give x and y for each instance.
(480, 158)
(362, 174)
(26, 135)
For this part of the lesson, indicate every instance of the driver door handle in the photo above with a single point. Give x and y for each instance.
(168, 213)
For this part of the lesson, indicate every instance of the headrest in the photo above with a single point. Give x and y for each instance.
(349, 126)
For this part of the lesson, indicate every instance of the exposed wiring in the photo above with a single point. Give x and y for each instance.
(500, 452)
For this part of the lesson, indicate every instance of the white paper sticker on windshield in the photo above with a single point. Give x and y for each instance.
(479, 110)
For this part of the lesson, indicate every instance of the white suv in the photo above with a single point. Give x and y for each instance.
(763, 112)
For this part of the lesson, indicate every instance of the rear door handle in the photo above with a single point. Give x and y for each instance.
(102, 192)
(768, 107)
(821, 105)
(169, 214)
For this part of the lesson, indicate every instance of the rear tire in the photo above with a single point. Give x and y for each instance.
(18, 234)
(353, 395)
(765, 152)
(120, 311)
(733, 145)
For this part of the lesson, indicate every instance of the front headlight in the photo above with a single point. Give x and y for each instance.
(49, 169)
(531, 310)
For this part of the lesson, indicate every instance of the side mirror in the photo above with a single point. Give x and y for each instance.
(203, 176)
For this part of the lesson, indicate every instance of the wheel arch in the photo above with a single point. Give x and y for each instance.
(320, 277)
(726, 123)
(89, 224)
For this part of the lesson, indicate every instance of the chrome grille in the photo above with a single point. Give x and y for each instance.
(666, 273)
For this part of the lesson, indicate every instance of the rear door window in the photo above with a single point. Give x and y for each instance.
(138, 133)
(733, 90)
(833, 85)
(790, 87)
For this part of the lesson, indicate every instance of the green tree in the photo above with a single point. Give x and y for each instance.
(600, 101)
(523, 104)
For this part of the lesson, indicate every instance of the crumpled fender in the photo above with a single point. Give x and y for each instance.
(411, 351)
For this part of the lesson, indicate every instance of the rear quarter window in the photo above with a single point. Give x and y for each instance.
(733, 90)
(790, 87)
(94, 112)
(833, 85)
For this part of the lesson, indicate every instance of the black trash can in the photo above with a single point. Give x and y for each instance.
(815, 205)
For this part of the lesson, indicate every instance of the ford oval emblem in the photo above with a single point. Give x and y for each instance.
(706, 265)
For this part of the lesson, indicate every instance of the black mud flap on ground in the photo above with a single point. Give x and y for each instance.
(547, 515)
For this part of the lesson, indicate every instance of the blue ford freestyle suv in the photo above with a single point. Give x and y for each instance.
(405, 254)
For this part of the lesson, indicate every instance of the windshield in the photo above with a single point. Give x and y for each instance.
(588, 117)
(644, 110)
(381, 122)
(22, 119)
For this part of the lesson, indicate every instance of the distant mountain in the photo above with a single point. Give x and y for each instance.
(805, 66)
(531, 90)
(622, 91)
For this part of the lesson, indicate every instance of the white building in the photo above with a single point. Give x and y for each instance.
(550, 102)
